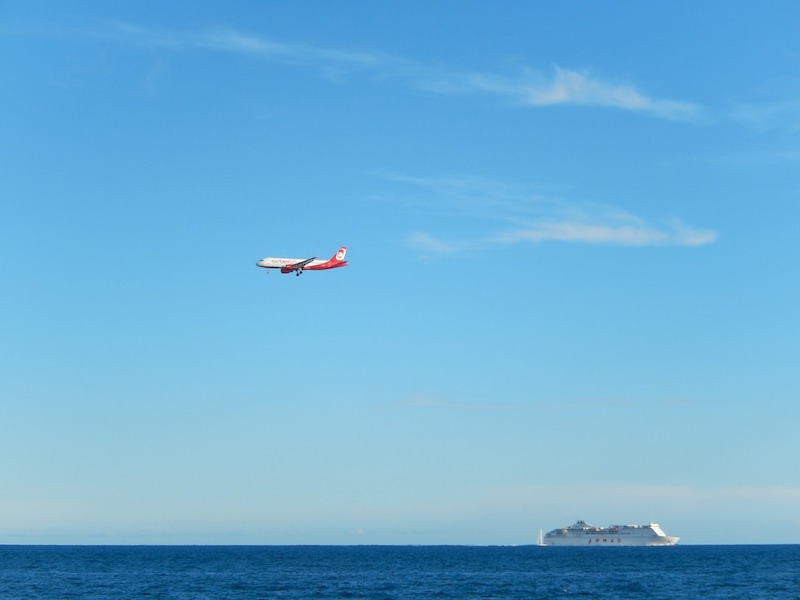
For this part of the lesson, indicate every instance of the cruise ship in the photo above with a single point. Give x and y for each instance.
(583, 534)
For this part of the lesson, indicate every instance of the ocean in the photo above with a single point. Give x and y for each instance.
(398, 572)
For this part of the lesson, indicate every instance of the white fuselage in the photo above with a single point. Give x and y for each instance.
(279, 263)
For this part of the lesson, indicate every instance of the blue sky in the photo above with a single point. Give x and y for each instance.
(572, 291)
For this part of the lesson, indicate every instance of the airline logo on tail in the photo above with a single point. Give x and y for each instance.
(298, 265)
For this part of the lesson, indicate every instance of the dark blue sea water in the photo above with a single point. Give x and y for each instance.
(398, 572)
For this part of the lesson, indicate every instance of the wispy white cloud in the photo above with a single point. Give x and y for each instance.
(427, 243)
(571, 87)
(753, 157)
(514, 215)
(627, 232)
(577, 232)
(528, 88)
(236, 42)
(782, 115)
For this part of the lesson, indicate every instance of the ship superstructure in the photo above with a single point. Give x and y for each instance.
(583, 534)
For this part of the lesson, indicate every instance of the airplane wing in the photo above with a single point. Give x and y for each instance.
(300, 265)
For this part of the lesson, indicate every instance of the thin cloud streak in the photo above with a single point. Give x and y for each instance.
(771, 116)
(528, 89)
(427, 243)
(231, 41)
(536, 218)
(570, 87)
(531, 89)
(577, 232)
(640, 234)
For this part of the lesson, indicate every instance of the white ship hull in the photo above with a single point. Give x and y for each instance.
(583, 534)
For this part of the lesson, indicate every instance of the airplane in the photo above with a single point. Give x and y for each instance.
(298, 265)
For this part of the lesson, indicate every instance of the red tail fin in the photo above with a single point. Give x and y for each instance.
(337, 260)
